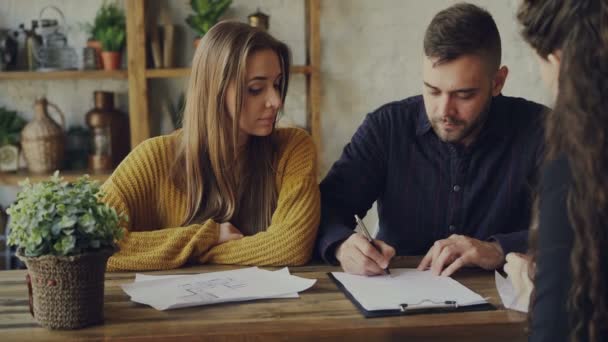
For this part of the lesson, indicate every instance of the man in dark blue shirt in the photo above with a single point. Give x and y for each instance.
(452, 171)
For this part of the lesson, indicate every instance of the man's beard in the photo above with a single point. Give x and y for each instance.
(467, 130)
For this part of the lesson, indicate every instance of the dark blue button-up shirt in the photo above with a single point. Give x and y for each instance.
(428, 189)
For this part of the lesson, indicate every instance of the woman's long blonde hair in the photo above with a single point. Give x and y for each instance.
(220, 182)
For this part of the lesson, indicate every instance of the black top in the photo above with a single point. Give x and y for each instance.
(555, 238)
(428, 189)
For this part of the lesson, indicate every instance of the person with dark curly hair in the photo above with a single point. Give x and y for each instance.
(568, 262)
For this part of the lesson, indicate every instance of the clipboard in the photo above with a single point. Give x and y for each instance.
(423, 307)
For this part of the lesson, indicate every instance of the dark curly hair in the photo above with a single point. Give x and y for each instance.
(578, 129)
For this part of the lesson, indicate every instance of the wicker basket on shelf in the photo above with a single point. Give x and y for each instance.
(43, 139)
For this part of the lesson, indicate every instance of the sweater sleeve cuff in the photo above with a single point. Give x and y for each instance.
(207, 236)
(512, 242)
(332, 238)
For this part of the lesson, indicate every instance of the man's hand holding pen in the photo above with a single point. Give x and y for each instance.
(357, 255)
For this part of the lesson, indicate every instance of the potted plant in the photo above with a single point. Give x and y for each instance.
(112, 40)
(206, 14)
(11, 125)
(2, 221)
(65, 235)
(176, 111)
(108, 15)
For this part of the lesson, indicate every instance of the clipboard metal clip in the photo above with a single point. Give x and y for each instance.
(426, 304)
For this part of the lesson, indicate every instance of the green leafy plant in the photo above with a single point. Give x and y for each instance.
(11, 125)
(206, 14)
(59, 218)
(176, 111)
(108, 15)
(112, 38)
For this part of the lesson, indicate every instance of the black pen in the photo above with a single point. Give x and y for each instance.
(371, 241)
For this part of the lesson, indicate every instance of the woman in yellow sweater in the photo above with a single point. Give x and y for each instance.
(229, 187)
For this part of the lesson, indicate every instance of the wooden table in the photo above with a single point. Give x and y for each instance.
(321, 314)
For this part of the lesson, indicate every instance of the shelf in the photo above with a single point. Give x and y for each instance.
(184, 72)
(62, 75)
(302, 69)
(70, 176)
(167, 73)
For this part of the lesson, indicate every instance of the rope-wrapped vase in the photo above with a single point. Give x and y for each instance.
(43, 140)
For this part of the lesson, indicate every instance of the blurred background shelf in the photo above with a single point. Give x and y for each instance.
(63, 75)
(13, 179)
(185, 72)
(167, 73)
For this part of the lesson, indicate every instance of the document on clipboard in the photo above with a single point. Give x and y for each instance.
(408, 291)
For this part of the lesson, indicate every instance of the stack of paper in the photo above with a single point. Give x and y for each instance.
(179, 291)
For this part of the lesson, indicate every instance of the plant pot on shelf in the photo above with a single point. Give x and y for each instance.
(11, 125)
(96, 44)
(67, 292)
(3, 221)
(205, 14)
(111, 60)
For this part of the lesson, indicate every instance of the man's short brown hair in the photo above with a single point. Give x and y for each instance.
(463, 29)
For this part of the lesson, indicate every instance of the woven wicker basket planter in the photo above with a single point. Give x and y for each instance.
(67, 292)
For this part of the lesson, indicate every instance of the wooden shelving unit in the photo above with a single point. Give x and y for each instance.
(13, 179)
(63, 75)
(185, 72)
(168, 73)
(138, 76)
(313, 79)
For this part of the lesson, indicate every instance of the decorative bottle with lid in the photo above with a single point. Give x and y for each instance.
(109, 131)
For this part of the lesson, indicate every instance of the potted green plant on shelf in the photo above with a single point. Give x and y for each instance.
(176, 111)
(108, 15)
(65, 235)
(112, 40)
(11, 125)
(206, 14)
(2, 221)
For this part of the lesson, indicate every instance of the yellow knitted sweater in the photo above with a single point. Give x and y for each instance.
(141, 188)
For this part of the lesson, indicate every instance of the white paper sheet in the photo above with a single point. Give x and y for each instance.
(216, 287)
(145, 277)
(508, 295)
(406, 286)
